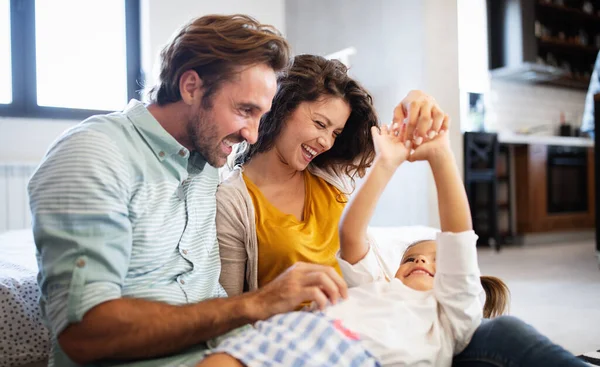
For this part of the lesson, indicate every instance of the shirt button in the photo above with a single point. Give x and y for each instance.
(185, 252)
(182, 152)
(161, 154)
(80, 263)
(181, 281)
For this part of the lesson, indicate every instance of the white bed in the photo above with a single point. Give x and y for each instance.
(23, 337)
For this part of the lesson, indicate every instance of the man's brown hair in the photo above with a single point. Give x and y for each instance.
(216, 46)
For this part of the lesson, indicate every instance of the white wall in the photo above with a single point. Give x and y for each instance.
(26, 140)
(442, 77)
(514, 106)
(160, 19)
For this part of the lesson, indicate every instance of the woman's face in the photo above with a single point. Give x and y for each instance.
(311, 130)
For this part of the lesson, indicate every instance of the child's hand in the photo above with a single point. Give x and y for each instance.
(437, 146)
(390, 147)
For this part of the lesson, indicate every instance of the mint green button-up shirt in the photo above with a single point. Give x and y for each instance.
(121, 209)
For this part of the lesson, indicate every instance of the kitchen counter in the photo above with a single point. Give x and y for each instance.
(513, 138)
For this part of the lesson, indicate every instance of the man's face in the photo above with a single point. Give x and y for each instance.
(234, 114)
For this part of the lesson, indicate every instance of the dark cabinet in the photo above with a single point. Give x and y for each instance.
(488, 188)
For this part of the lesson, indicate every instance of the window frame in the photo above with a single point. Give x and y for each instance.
(23, 64)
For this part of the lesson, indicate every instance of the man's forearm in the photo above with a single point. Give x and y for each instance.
(455, 214)
(135, 329)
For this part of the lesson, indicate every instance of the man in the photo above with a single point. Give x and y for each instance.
(124, 206)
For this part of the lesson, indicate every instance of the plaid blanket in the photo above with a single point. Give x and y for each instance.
(298, 339)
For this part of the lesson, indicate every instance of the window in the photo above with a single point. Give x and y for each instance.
(74, 58)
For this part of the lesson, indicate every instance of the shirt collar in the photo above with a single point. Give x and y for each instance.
(162, 143)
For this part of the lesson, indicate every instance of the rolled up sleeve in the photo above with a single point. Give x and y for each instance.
(79, 202)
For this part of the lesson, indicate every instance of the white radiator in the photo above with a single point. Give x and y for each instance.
(14, 201)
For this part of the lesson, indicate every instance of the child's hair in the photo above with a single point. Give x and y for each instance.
(497, 297)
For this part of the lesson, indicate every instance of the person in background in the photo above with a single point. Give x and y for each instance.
(587, 123)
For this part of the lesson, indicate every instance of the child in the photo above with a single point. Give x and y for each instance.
(427, 311)
(424, 314)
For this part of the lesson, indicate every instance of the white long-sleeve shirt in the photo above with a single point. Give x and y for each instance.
(405, 327)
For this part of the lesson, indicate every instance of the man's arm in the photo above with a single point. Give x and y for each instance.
(129, 328)
(135, 329)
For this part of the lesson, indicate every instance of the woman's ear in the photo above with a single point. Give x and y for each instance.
(190, 87)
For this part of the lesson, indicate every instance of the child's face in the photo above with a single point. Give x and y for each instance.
(418, 266)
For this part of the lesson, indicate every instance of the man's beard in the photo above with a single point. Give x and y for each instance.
(203, 135)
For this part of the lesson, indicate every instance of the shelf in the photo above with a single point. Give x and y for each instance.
(566, 46)
(571, 11)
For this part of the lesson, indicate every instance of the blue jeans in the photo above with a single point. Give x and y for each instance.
(509, 342)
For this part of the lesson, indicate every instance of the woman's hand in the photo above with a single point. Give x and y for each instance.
(423, 117)
(390, 147)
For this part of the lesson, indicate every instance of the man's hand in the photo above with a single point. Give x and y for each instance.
(390, 147)
(299, 283)
(422, 115)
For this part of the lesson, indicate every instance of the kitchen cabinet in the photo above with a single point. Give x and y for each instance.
(533, 191)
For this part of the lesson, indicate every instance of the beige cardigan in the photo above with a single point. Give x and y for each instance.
(236, 229)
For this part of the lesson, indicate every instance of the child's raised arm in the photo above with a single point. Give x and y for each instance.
(455, 214)
(391, 151)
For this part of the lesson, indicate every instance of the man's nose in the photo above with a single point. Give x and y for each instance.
(250, 132)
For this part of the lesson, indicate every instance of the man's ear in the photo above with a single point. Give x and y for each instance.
(190, 87)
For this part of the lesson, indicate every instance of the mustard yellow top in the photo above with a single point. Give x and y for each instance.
(283, 239)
